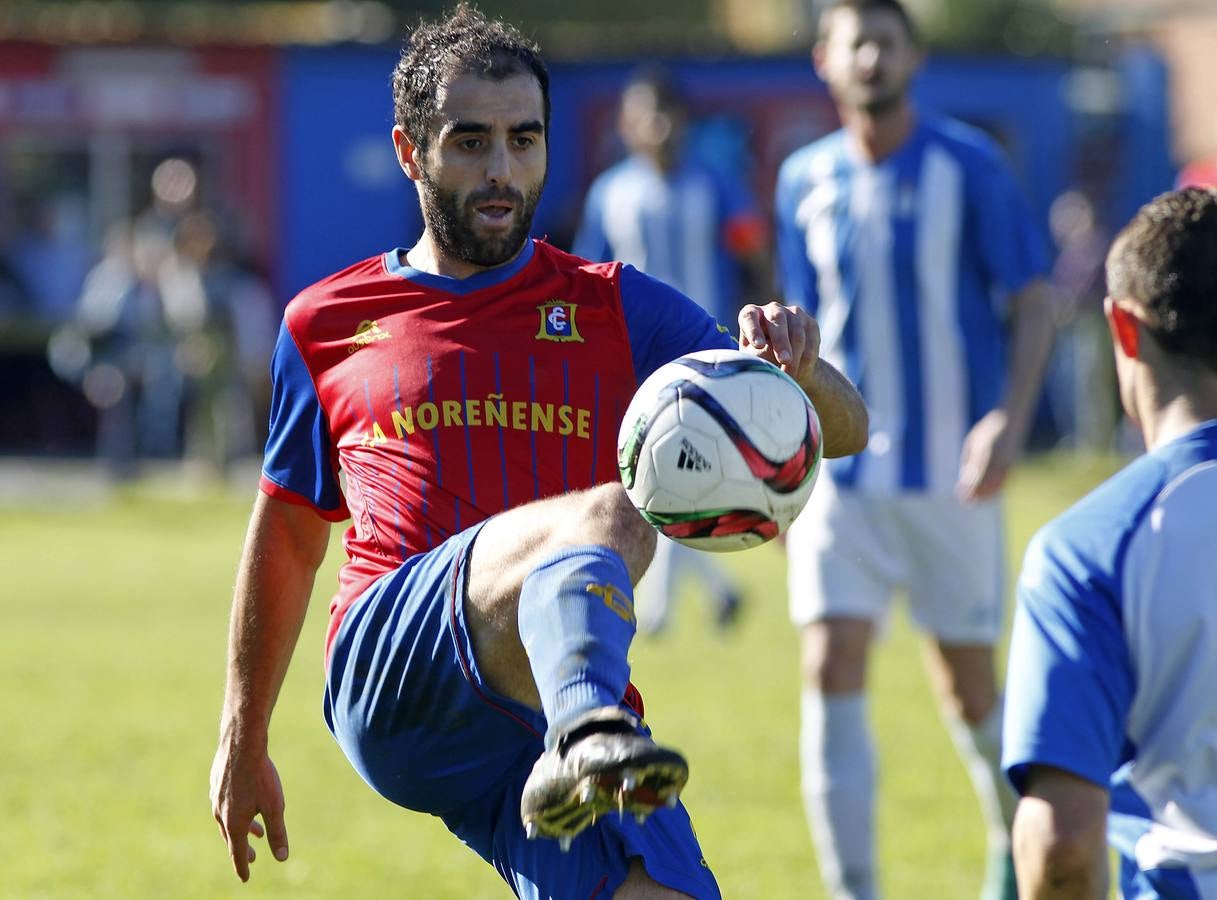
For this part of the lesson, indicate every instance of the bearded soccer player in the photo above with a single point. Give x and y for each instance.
(470, 389)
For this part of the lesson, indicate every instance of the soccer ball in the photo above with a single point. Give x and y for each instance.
(719, 450)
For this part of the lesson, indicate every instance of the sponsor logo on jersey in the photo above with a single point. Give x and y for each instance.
(492, 411)
(690, 459)
(367, 332)
(558, 322)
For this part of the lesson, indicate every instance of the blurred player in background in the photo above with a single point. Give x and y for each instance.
(469, 388)
(682, 223)
(906, 237)
(1111, 719)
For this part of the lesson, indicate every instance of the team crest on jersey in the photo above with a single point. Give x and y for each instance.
(558, 322)
(367, 332)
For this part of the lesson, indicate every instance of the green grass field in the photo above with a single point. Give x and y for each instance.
(112, 657)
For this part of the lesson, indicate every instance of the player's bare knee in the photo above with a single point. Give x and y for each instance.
(969, 701)
(833, 658)
(835, 676)
(612, 521)
(974, 706)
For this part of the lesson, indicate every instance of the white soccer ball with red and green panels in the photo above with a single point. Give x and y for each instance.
(719, 450)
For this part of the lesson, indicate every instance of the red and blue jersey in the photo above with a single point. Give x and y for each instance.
(443, 401)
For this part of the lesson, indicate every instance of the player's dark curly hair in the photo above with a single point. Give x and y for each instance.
(463, 43)
(1165, 260)
(863, 6)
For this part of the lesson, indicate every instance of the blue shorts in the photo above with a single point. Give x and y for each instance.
(407, 704)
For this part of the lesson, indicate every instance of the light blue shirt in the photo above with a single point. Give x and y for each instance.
(673, 226)
(1113, 662)
(906, 264)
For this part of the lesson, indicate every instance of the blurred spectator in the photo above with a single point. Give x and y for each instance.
(120, 352)
(51, 256)
(172, 335)
(1081, 380)
(676, 219)
(224, 317)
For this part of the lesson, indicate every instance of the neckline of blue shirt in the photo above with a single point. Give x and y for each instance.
(488, 278)
(921, 128)
(1206, 430)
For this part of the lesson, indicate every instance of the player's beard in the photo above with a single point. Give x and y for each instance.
(881, 102)
(450, 222)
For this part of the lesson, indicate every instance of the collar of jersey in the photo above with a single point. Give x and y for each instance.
(488, 278)
(910, 145)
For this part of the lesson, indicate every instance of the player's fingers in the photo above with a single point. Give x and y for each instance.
(276, 832)
(965, 490)
(240, 852)
(776, 324)
(811, 337)
(797, 335)
(990, 482)
(256, 829)
(969, 478)
(751, 331)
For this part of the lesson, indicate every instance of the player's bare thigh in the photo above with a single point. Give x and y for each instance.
(513, 543)
(964, 677)
(638, 885)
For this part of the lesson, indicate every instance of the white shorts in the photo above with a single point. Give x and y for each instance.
(848, 552)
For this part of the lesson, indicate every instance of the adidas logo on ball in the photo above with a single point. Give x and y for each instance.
(690, 460)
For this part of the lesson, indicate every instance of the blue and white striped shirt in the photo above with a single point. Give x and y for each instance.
(674, 226)
(906, 263)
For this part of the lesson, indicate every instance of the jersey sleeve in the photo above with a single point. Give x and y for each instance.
(590, 240)
(298, 466)
(795, 274)
(1012, 246)
(1070, 680)
(663, 323)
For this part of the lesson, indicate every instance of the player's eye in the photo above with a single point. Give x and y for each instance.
(523, 141)
(469, 143)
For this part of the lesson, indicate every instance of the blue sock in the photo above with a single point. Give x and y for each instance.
(576, 619)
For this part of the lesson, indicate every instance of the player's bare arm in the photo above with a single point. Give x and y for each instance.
(1059, 835)
(284, 547)
(996, 441)
(789, 337)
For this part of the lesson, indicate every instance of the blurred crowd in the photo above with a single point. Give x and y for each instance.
(166, 331)
(154, 342)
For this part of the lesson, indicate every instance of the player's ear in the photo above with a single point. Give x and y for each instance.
(1125, 327)
(407, 154)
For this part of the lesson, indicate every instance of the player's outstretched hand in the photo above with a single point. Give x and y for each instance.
(784, 335)
(245, 783)
(990, 449)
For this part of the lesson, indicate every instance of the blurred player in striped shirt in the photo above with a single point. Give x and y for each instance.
(682, 222)
(906, 236)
